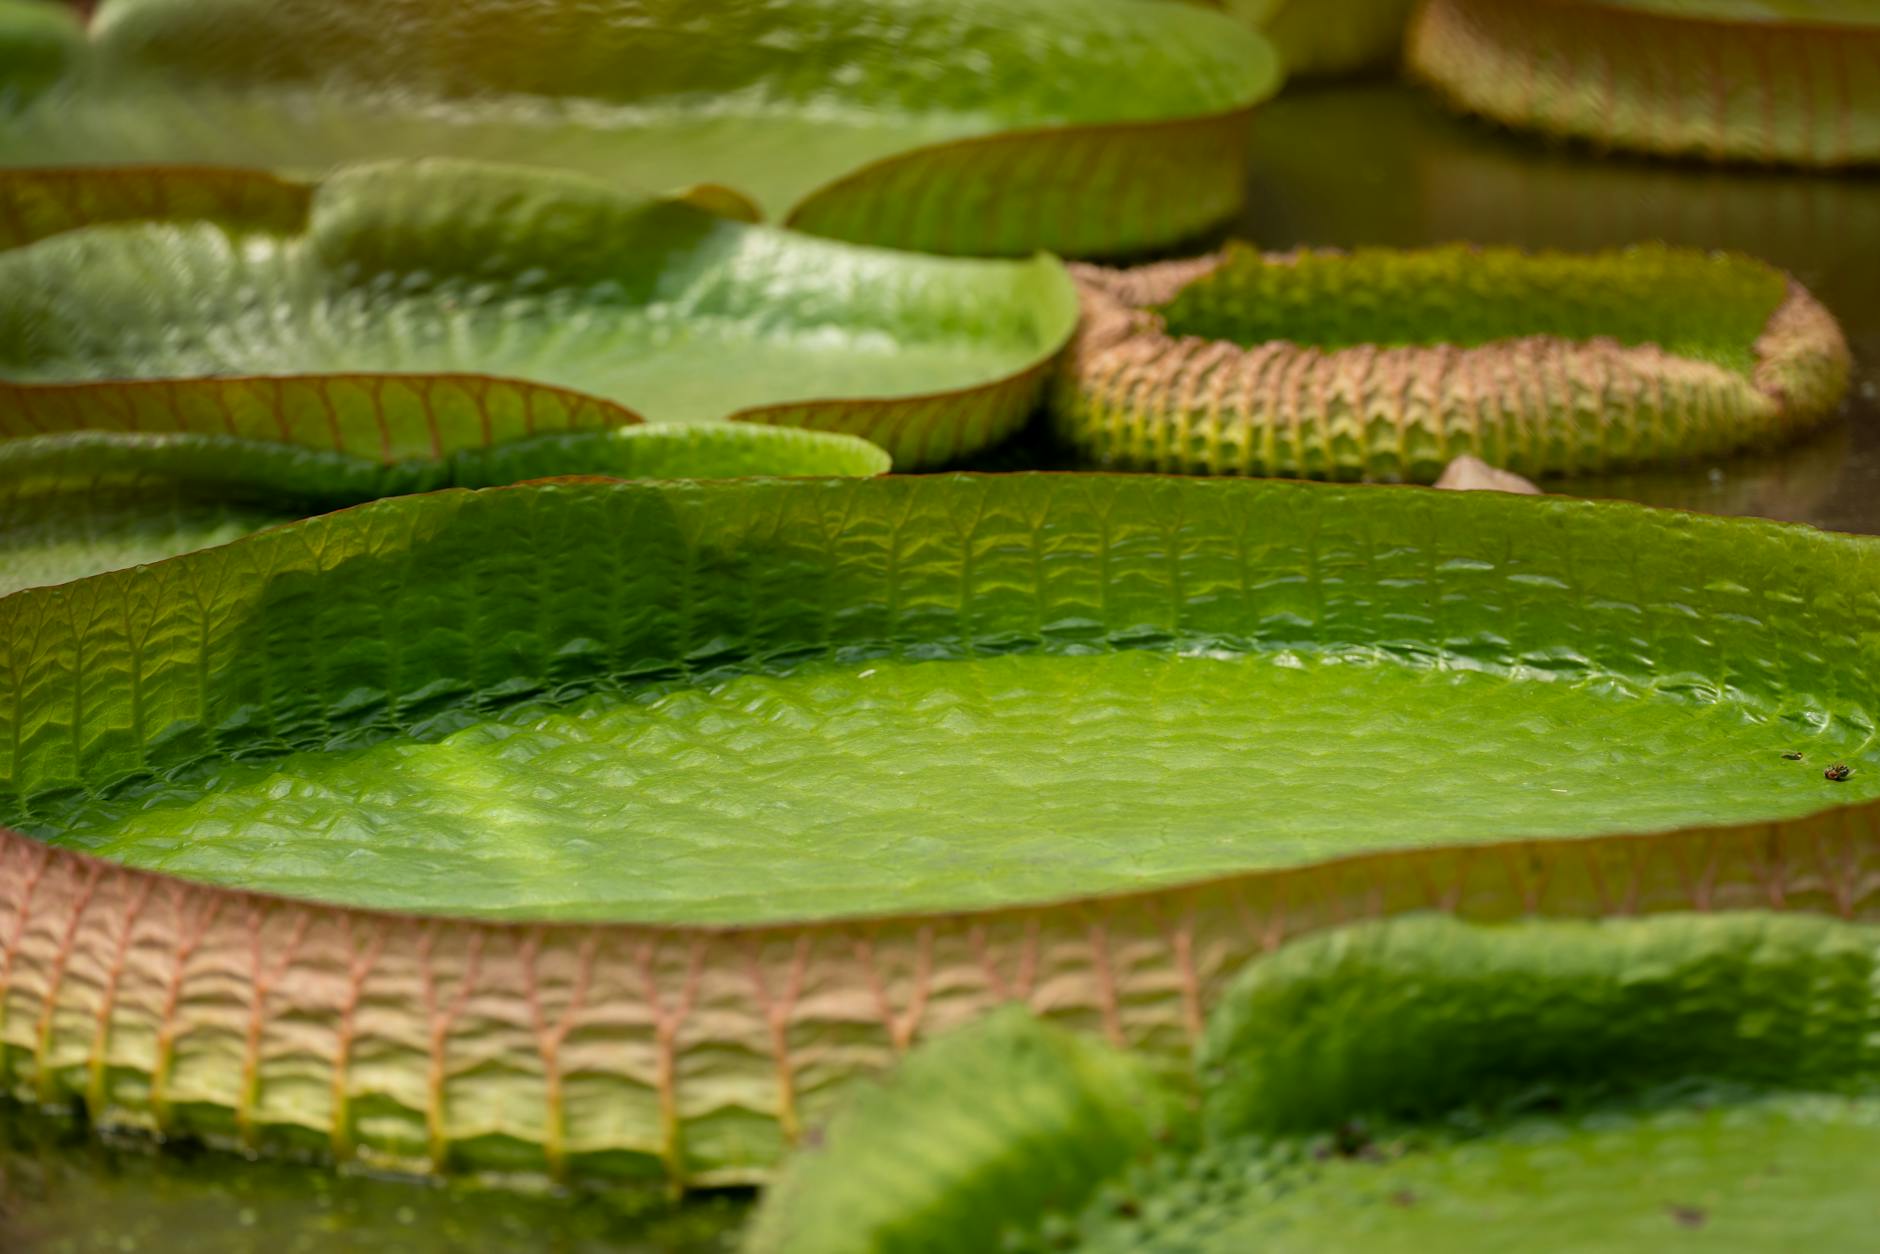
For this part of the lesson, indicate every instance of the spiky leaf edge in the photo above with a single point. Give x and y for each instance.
(1132, 395)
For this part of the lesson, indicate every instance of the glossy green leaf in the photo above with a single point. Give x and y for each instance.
(527, 675)
(1007, 1115)
(1411, 1020)
(1763, 1174)
(49, 538)
(439, 268)
(82, 502)
(1430, 1084)
(951, 125)
(622, 714)
(1651, 75)
(1748, 1173)
(1624, 1084)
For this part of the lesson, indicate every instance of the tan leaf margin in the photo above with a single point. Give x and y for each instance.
(39, 202)
(429, 415)
(1132, 395)
(424, 1043)
(411, 415)
(1789, 93)
(1103, 189)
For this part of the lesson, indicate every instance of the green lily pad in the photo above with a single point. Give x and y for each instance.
(852, 766)
(1649, 74)
(977, 126)
(926, 1154)
(52, 538)
(1752, 1174)
(699, 745)
(1387, 364)
(846, 745)
(1410, 1021)
(1413, 1085)
(82, 502)
(440, 268)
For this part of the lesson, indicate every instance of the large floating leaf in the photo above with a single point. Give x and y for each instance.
(949, 125)
(1758, 1173)
(100, 477)
(444, 268)
(82, 502)
(753, 701)
(1378, 1088)
(1412, 1020)
(1387, 364)
(1780, 81)
(783, 642)
(928, 1155)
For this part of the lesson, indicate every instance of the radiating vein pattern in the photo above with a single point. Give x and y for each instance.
(938, 785)
(998, 126)
(1243, 674)
(773, 700)
(439, 268)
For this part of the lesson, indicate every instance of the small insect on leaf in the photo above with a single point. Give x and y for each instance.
(1793, 756)
(1688, 1216)
(1838, 772)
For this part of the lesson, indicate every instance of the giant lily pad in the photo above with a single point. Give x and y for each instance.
(1387, 364)
(1416, 1085)
(439, 268)
(621, 823)
(82, 502)
(1778, 81)
(982, 126)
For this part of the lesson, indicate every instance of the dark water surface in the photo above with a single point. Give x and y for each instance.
(63, 1191)
(1340, 166)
